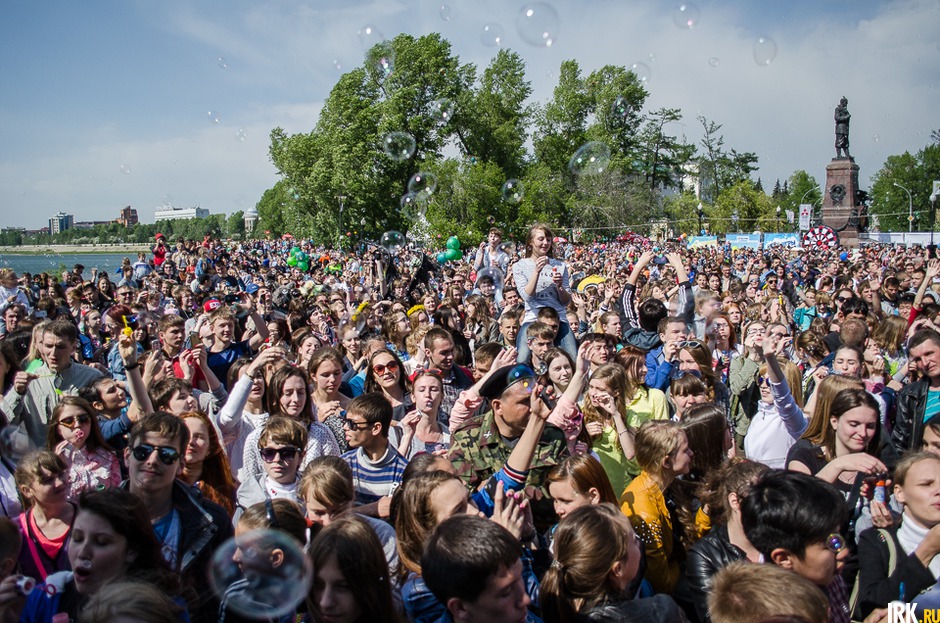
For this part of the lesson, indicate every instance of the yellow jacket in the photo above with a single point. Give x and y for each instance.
(643, 503)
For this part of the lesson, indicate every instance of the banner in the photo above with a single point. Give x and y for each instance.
(806, 214)
(782, 240)
(743, 241)
(698, 242)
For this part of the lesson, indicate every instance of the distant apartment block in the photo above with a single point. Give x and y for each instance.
(168, 213)
(127, 217)
(89, 224)
(60, 222)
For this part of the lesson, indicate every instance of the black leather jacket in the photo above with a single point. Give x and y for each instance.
(656, 609)
(710, 555)
(908, 431)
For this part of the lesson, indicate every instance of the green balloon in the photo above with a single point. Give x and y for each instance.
(459, 255)
(453, 243)
(292, 261)
(304, 266)
(295, 250)
(452, 254)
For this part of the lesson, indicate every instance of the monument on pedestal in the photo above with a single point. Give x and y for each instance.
(843, 205)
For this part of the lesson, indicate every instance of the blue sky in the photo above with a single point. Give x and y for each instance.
(105, 103)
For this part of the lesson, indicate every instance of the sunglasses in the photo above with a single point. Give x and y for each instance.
(676, 374)
(380, 368)
(763, 380)
(354, 425)
(287, 453)
(690, 344)
(426, 372)
(166, 454)
(73, 421)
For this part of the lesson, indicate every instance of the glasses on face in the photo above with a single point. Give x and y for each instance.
(763, 380)
(125, 294)
(72, 421)
(835, 542)
(353, 425)
(287, 453)
(380, 368)
(166, 454)
(778, 334)
(843, 299)
(756, 332)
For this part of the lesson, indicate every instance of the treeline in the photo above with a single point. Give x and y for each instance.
(215, 225)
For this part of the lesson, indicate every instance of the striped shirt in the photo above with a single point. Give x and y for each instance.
(374, 480)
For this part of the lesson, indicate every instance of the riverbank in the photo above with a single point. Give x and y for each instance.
(74, 249)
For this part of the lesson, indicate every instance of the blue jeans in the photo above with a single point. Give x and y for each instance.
(565, 340)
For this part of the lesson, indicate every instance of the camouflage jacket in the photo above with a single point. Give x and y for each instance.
(478, 451)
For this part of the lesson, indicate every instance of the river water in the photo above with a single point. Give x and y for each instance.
(53, 262)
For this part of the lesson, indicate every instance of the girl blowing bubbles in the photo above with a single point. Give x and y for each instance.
(75, 436)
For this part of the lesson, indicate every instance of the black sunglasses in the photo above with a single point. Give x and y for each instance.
(287, 453)
(166, 454)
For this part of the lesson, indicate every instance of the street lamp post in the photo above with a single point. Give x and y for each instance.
(910, 207)
(778, 219)
(701, 215)
(734, 220)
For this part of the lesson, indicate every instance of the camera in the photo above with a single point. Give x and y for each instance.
(231, 299)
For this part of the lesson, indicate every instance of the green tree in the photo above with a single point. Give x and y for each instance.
(720, 167)
(803, 188)
(890, 203)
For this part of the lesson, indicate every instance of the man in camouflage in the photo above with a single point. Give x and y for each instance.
(517, 417)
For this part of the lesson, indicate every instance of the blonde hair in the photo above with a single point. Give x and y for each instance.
(588, 542)
(656, 440)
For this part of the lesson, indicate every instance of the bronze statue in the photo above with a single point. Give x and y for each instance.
(842, 117)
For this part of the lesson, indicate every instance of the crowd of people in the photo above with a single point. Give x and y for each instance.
(542, 431)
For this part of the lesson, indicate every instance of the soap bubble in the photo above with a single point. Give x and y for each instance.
(223, 64)
(262, 574)
(877, 138)
(714, 61)
(337, 65)
(620, 107)
(494, 273)
(126, 169)
(642, 71)
(393, 241)
(509, 248)
(398, 146)
(685, 15)
(445, 12)
(168, 199)
(512, 191)
(380, 60)
(492, 35)
(414, 205)
(369, 36)
(590, 159)
(765, 51)
(537, 24)
(422, 182)
(491, 220)
(241, 135)
(214, 117)
(442, 110)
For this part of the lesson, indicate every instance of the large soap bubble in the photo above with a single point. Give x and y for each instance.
(399, 146)
(590, 159)
(262, 574)
(537, 24)
(393, 241)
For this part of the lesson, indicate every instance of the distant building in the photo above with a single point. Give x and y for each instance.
(169, 213)
(251, 219)
(89, 224)
(127, 217)
(60, 222)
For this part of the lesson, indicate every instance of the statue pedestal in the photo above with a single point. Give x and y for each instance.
(840, 196)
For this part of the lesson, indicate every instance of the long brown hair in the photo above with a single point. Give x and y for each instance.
(215, 481)
(588, 541)
(548, 234)
(361, 560)
(95, 438)
(415, 519)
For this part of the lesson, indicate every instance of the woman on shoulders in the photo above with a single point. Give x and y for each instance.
(543, 281)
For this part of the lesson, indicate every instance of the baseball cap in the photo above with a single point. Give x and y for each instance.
(211, 305)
